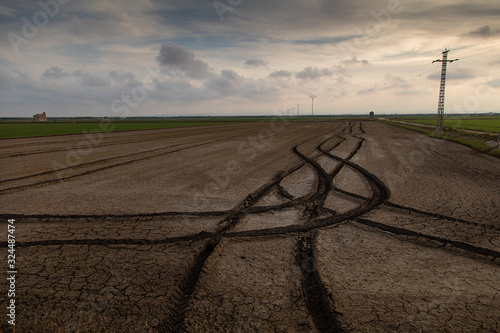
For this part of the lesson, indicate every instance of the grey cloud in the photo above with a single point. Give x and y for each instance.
(494, 83)
(8, 81)
(120, 77)
(433, 11)
(228, 79)
(472, 9)
(94, 80)
(355, 61)
(171, 85)
(230, 83)
(17, 80)
(55, 73)
(281, 74)
(327, 40)
(179, 92)
(255, 63)
(7, 11)
(182, 59)
(299, 15)
(310, 73)
(458, 74)
(484, 31)
(258, 90)
(20, 73)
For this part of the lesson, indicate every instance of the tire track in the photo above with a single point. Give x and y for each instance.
(405, 232)
(168, 135)
(174, 320)
(313, 289)
(442, 217)
(203, 235)
(378, 187)
(418, 211)
(361, 127)
(118, 217)
(57, 180)
(48, 172)
(316, 297)
(49, 151)
(314, 292)
(250, 198)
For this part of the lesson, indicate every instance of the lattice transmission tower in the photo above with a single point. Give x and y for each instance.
(440, 112)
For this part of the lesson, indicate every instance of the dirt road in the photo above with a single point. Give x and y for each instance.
(261, 227)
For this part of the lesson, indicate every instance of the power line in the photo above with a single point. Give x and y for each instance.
(428, 71)
(400, 78)
(416, 70)
(476, 54)
(395, 80)
(472, 45)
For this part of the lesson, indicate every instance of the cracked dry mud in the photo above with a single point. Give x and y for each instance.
(259, 227)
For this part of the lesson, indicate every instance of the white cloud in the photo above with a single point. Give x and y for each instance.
(94, 51)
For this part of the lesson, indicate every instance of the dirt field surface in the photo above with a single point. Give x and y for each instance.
(260, 227)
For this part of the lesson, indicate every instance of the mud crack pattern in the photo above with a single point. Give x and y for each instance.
(328, 227)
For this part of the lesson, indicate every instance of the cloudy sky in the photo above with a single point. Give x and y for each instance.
(246, 57)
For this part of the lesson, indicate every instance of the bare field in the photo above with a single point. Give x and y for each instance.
(257, 227)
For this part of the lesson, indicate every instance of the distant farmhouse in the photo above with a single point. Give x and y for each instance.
(40, 117)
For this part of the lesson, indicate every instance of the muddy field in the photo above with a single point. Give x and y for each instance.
(261, 227)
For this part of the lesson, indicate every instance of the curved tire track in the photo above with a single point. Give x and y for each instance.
(315, 294)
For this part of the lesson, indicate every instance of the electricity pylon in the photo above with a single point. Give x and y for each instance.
(298, 109)
(312, 97)
(440, 113)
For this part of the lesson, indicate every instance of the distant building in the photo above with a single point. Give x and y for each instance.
(40, 117)
(371, 116)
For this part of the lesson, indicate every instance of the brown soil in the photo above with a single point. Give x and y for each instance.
(259, 227)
